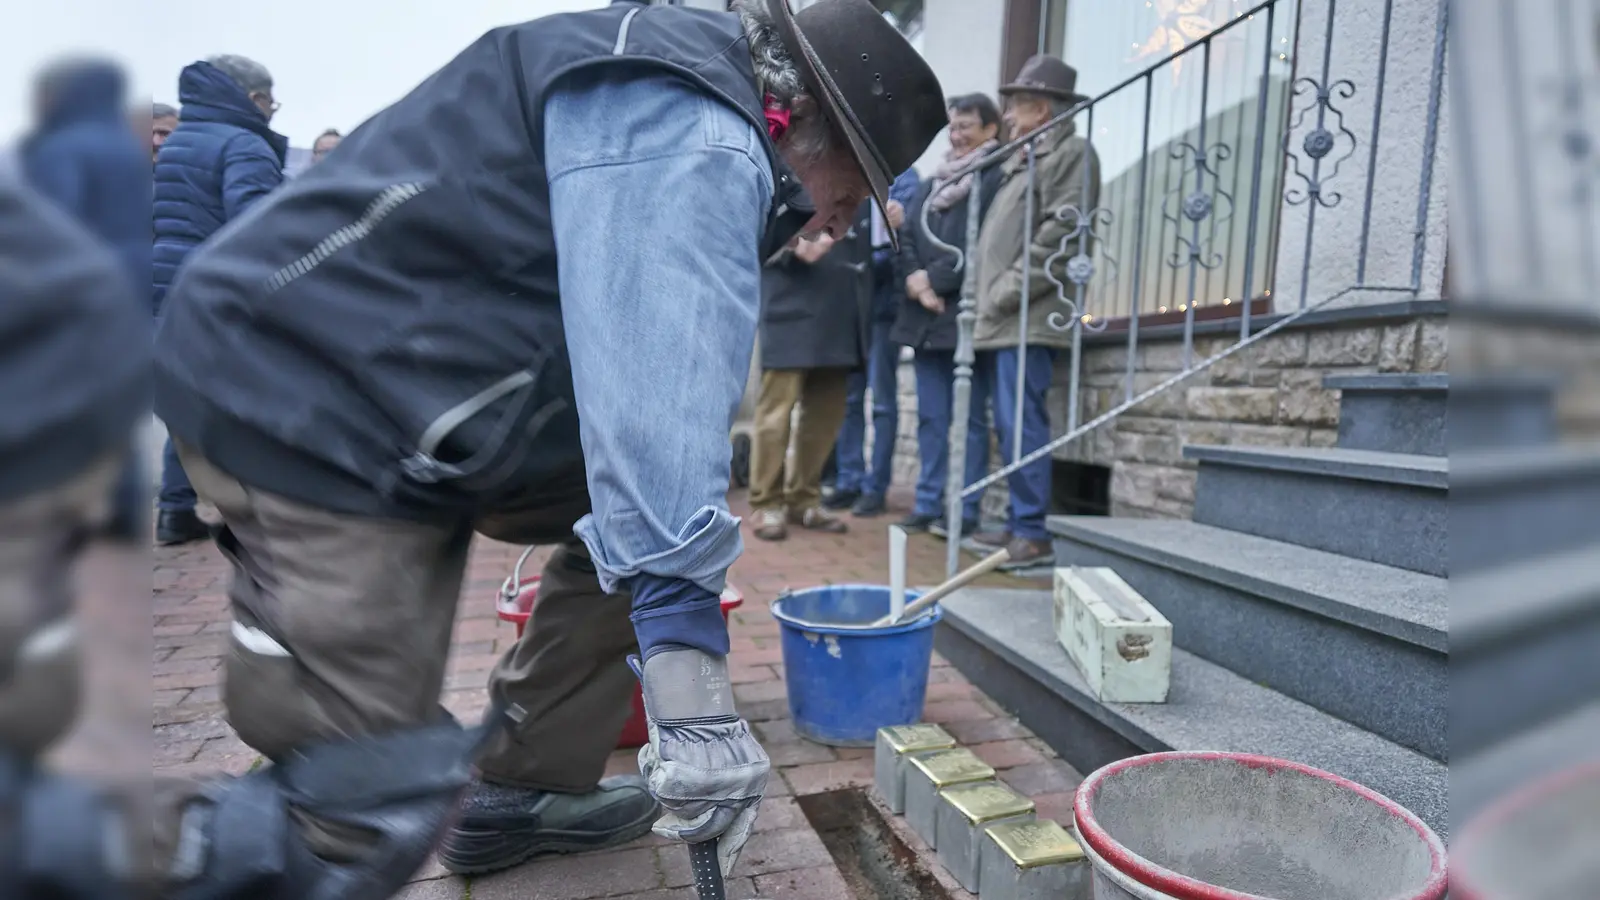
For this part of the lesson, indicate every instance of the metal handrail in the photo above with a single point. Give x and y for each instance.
(1192, 249)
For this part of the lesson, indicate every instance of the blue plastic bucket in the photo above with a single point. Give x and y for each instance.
(846, 679)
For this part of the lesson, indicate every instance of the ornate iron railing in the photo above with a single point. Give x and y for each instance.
(1092, 289)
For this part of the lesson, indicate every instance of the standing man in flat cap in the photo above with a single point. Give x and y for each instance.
(520, 301)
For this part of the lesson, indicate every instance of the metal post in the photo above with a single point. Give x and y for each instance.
(1430, 143)
(1325, 89)
(961, 402)
(1255, 183)
(1139, 239)
(1372, 152)
(1199, 191)
(1028, 214)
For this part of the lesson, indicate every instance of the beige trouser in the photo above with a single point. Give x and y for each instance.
(365, 609)
(820, 396)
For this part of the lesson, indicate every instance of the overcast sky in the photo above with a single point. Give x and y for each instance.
(335, 62)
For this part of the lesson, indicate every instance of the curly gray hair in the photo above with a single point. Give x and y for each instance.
(810, 139)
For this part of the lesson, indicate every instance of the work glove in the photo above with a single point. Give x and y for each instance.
(702, 763)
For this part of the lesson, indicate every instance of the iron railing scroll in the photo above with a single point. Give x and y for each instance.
(1292, 139)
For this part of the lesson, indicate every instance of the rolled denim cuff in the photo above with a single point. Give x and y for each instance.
(631, 544)
(673, 611)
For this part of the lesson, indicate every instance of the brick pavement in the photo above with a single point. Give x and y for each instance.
(785, 859)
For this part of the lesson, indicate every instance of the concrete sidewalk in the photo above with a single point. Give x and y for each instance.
(785, 859)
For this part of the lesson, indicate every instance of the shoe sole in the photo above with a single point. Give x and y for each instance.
(538, 842)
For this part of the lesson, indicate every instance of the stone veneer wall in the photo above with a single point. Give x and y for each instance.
(1269, 395)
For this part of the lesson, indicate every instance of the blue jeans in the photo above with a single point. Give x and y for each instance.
(658, 195)
(936, 375)
(1030, 486)
(176, 494)
(883, 364)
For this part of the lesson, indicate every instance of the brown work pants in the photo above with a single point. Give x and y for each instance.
(819, 395)
(365, 607)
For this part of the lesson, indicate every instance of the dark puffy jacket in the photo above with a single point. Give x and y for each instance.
(222, 158)
(815, 315)
(915, 326)
(83, 157)
(74, 347)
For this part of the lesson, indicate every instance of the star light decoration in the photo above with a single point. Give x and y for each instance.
(1178, 24)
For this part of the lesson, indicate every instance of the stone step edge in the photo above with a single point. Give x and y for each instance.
(1187, 671)
(1395, 383)
(1409, 469)
(1433, 637)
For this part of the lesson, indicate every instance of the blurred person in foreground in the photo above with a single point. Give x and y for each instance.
(814, 297)
(521, 302)
(221, 159)
(926, 319)
(1044, 88)
(74, 375)
(860, 484)
(163, 121)
(82, 156)
(324, 144)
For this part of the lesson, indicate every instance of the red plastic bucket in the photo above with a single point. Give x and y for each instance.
(515, 605)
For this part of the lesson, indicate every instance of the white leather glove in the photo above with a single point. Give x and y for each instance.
(702, 762)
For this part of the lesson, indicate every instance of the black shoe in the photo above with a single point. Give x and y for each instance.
(503, 826)
(180, 526)
(968, 528)
(917, 522)
(867, 506)
(840, 500)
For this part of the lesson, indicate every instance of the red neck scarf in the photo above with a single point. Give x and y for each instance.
(777, 117)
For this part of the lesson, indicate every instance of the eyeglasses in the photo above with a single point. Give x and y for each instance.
(272, 105)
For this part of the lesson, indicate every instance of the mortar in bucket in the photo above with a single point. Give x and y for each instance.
(514, 604)
(1231, 826)
(846, 678)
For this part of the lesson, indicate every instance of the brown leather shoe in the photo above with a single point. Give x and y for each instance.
(1026, 554)
(818, 519)
(992, 540)
(770, 525)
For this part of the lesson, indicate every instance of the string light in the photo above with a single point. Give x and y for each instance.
(1163, 309)
(1183, 307)
(1226, 301)
(1087, 318)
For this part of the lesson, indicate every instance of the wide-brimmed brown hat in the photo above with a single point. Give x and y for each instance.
(872, 84)
(1048, 76)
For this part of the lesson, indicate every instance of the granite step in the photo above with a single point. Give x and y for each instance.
(1002, 641)
(1387, 508)
(1392, 413)
(1523, 645)
(1365, 642)
(1511, 505)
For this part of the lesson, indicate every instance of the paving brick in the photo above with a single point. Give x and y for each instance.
(1006, 754)
(765, 710)
(1056, 807)
(777, 731)
(186, 666)
(751, 674)
(984, 730)
(950, 689)
(803, 884)
(169, 697)
(757, 691)
(200, 648)
(169, 753)
(202, 729)
(778, 813)
(798, 753)
(573, 877)
(1051, 777)
(766, 852)
(946, 712)
(820, 777)
(434, 889)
